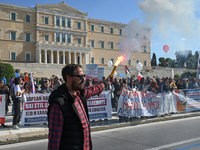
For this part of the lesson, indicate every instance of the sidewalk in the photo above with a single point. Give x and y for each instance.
(35, 132)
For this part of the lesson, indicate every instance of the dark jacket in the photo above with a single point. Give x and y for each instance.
(72, 134)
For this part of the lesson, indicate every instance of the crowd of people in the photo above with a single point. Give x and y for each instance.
(23, 85)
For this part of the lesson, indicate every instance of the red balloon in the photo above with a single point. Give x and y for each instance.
(166, 48)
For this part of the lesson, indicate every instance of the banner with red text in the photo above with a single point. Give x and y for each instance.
(136, 103)
(2, 108)
(35, 108)
(99, 107)
(187, 100)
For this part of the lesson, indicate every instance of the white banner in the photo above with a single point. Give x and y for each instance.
(136, 103)
(99, 107)
(35, 108)
(2, 108)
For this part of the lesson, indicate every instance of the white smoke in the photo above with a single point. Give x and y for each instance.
(173, 21)
(134, 35)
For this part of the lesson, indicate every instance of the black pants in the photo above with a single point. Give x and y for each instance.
(16, 117)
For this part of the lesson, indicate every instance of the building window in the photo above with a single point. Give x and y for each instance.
(63, 37)
(78, 25)
(92, 27)
(129, 62)
(46, 20)
(102, 28)
(102, 44)
(57, 21)
(68, 38)
(28, 18)
(92, 43)
(145, 63)
(137, 61)
(63, 21)
(78, 41)
(68, 22)
(111, 30)
(57, 37)
(92, 60)
(102, 60)
(145, 50)
(13, 16)
(111, 45)
(28, 57)
(12, 56)
(28, 37)
(13, 36)
(46, 37)
(120, 31)
(112, 59)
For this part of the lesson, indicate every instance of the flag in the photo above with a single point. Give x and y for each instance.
(139, 76)
(32, 85)
(127, 70)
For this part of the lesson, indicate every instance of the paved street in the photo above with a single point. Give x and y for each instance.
(178, 134)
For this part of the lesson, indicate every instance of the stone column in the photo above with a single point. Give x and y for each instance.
(39, 57)
(37, 18)
(37, 36)
(57, 56)
(60, 37)
(54, 37)
(80, 58)
(90, 58)
(60, 21)
(65, 38)
(45, 56)
(51, 56)
(69, 59)
(86, 58)
(86, 40)
(71, 38)
(54, 20)
(74, 57)
(63, 57)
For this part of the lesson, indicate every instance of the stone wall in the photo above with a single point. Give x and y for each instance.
(46, 70)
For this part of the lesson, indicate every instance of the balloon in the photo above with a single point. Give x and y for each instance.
(110, 63)
(166, 48)
(139, 66)
(115, 74)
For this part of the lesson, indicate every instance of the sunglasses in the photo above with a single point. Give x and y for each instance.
(80, 76)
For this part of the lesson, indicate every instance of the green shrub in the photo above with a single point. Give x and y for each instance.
(7, 70)
(177, 76)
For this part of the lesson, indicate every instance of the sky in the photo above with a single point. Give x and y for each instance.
(172, 22)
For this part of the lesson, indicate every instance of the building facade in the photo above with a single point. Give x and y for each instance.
(59, 34)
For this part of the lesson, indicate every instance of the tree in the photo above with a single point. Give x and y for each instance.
(154, 60)
(162, 62)
(177, 76)
(7, 70)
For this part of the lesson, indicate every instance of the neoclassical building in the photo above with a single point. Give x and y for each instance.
(59, 34)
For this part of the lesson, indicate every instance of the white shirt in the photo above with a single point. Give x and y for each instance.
(17, 89)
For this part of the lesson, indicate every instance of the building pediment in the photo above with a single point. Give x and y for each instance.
(62, 7)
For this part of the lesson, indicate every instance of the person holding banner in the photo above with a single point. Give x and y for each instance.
(2, 91)
(18, 95)
(69, 125)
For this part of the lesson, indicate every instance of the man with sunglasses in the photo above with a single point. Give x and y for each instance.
(69, 125)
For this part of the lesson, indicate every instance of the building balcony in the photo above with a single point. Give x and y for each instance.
(63, 44)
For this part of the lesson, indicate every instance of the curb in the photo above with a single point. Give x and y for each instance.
(38, 135)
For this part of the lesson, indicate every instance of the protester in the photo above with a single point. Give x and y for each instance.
(68, 113)
(4, 79)
(57, 82)
(46, 88)
(88, 83)
(131, 84)
(2, 91)
(26, 78)
(111, 88)
(51, 82)
(18, 94)
(192, 85)
(165, 86)
(141, 86)
(153, 87)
